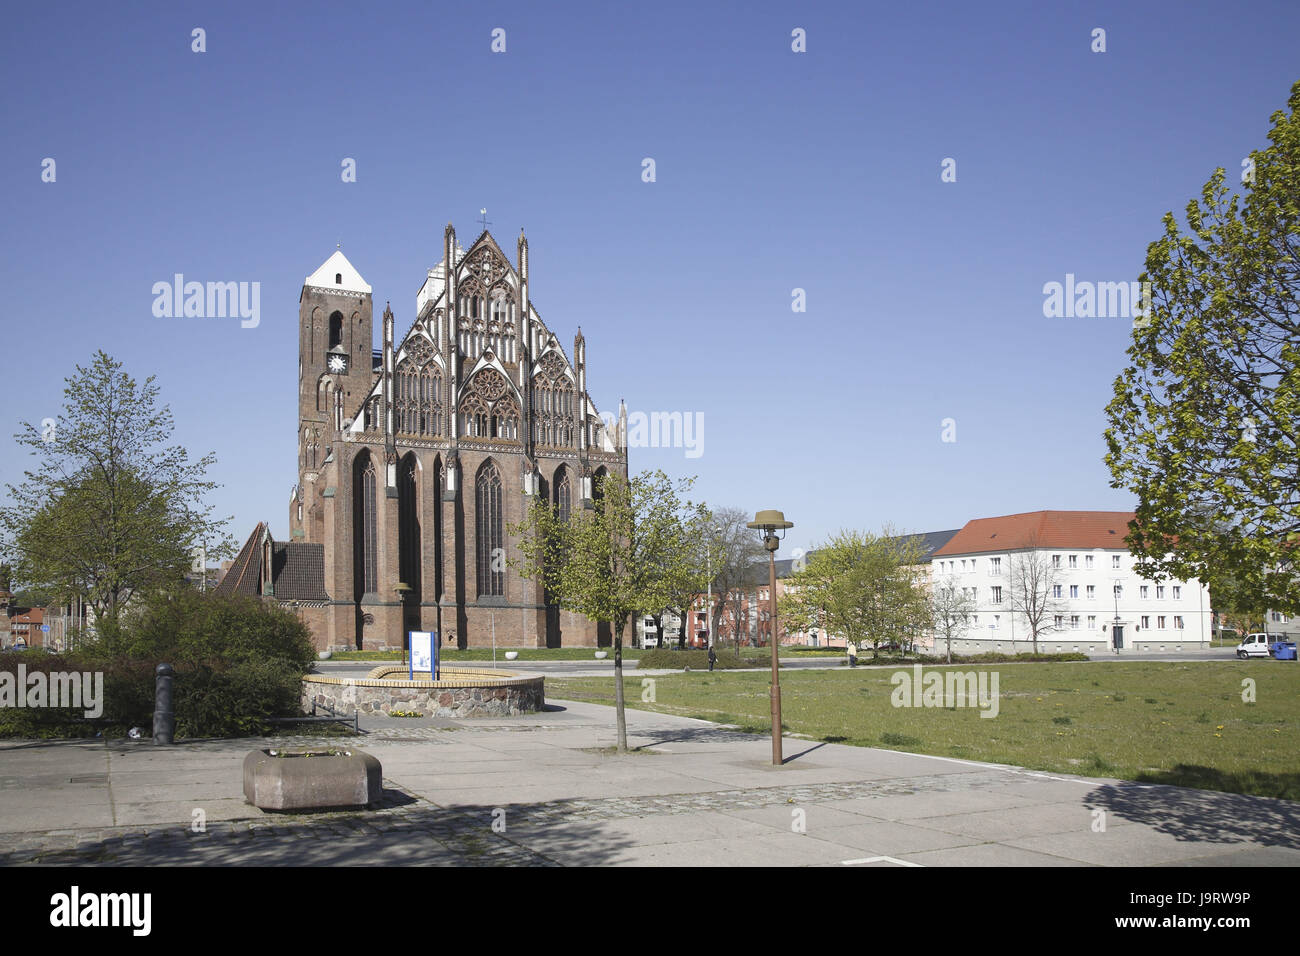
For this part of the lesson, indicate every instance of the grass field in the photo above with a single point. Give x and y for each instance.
(1182, 724)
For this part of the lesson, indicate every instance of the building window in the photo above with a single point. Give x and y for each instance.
(1146, 621)
(1087, 561)
(563, 494)
(1056, 590)
(997, 595)
(995, 566)
(1074, 590)
(338, 278)
(1059, 620)
(1160, 623)
(336, 329)
(1074, 561)
(1092, 591)
(1178, 593)
(1074, 621)
(1119, 590)
(366, 534)
(1092, 621)
(1160, 592)
(490, 536)
(1114, 561)
(1142, 592)
(1056, 560)
(1178, 622)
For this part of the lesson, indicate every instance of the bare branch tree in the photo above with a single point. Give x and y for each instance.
(739, 549)
(1035, 577)
(951, 607)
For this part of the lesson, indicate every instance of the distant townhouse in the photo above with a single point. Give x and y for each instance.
(1097, 600)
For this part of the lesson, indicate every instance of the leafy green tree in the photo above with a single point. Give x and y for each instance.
(110, 508)
(870, 588)
(636, 548)
(1204, 421)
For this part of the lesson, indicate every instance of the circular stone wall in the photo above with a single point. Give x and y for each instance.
(459, 692)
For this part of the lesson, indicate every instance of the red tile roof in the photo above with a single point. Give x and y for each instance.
(1045, 529)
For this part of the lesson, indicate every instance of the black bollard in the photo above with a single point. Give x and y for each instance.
(164, 717)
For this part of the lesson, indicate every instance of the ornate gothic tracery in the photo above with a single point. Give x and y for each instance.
(417, 391)
(553, 403)
(488, 409)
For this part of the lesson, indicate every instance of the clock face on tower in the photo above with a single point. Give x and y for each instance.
(337, 363)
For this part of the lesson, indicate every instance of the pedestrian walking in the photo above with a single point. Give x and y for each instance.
(853, 654)
(713, 657)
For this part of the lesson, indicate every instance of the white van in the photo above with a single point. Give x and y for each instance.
(1255, 645)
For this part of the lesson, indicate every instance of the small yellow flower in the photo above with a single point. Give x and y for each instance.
(1218, 735)
(1220, 727)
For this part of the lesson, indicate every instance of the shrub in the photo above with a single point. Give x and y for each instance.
(238, 662)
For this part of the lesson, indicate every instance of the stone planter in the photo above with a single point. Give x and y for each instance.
(601, 655)
(312, 780)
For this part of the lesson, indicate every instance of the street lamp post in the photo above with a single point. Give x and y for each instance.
(768, 524)
(1114, 633)
(402, 589)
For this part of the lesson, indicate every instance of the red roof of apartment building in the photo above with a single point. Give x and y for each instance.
(32, 615)
(1043, 529)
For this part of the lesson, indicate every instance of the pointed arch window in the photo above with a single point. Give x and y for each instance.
(365, 532)
(489, 537)
(563, 494)
(336, 329)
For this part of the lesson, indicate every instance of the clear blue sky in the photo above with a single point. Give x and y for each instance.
(775, 170)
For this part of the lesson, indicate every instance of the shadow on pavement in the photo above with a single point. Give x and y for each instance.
(1203, 816)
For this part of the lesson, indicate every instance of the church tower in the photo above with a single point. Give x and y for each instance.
(335, 370)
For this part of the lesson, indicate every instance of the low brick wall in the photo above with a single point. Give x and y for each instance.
(460, 692)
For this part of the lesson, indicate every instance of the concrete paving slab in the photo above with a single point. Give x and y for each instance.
(698, 795)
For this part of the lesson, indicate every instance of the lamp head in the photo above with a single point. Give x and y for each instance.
(772, 526)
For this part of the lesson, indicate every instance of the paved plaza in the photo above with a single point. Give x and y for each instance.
(546, 790)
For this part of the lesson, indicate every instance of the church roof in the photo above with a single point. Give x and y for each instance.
(348, 278)
(297, 569)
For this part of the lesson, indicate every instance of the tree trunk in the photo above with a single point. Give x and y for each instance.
(618, 688)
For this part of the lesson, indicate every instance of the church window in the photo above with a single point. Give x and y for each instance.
(338, 278)
(563, 494)
(336, 329)
(490, 539)
(365, 531)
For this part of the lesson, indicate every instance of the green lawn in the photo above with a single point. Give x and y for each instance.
(1183, 724)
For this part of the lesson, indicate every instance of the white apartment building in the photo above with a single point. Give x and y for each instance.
(1098, 602)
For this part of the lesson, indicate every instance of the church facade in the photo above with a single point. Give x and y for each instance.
(415, 459)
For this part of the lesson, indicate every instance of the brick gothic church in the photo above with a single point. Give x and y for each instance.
(413, 461)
